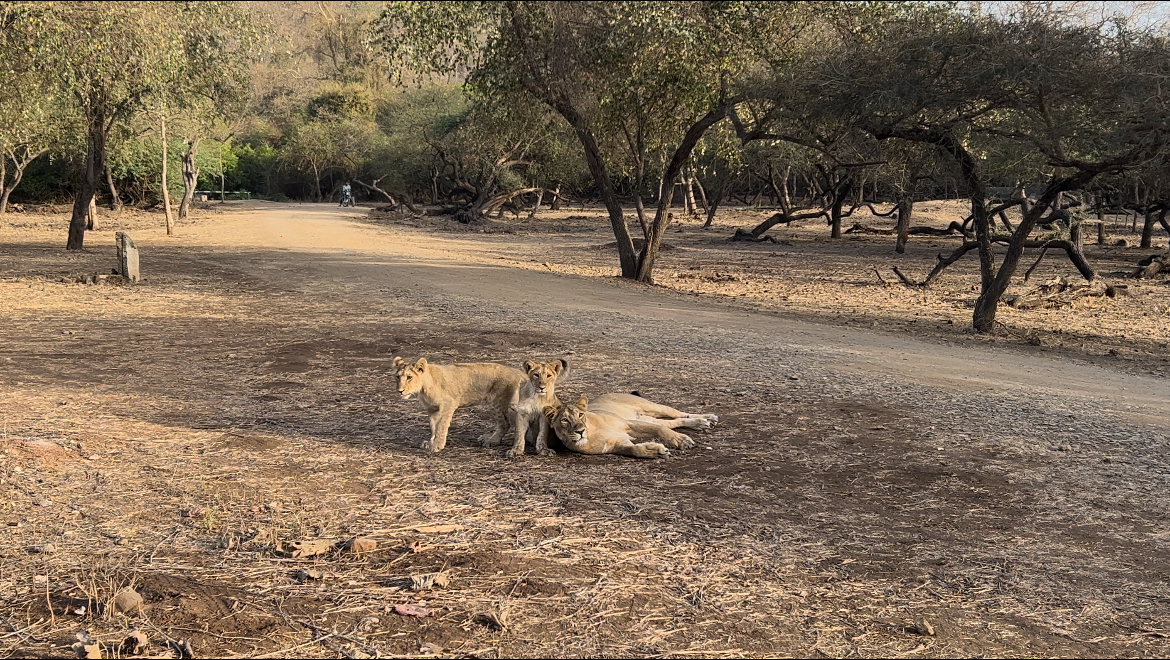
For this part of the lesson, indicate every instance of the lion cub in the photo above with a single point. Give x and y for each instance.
(443, 388)
(538, 391)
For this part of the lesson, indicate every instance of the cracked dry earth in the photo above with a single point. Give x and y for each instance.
(173, 437)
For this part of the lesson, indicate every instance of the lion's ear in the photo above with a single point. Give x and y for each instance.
(399, 364)
(582, 403)
(561, 366)
(551, 411)
(531, 366)
(421, 365)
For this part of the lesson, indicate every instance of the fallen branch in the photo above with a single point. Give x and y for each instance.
(400, 200)
(741, 235)
(920, 230)
(1152, 266)
(1058, 292)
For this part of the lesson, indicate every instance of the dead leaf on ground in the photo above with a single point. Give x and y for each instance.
(430, 580)
(136, 643)
(310, 548)
(412, 610)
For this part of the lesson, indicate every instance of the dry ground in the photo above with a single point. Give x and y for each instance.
(172, 436)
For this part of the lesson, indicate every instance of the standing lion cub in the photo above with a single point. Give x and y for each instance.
(538, 391)
(442, 388)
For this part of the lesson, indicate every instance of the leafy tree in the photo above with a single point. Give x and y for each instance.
(592, 63)
(33, 116)
(115, 59)
(1083, 99)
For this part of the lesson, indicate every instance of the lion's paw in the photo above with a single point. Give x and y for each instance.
(659, 450)
(714, 419)
(512, 453)
(685, 441)
(548, 452)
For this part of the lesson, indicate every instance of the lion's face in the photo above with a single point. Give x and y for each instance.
(544, 376)
(410, 376)
(568, 421)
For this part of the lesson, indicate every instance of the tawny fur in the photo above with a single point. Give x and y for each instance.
(443, 388)
(537, 392)
(624, 424)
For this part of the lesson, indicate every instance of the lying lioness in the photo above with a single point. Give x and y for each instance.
(623, 424)
(442, 388)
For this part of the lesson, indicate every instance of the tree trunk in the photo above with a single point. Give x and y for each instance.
(1100, 204)
(115, 200)
(649, 253)
(786, 199)
(5, 190)
(95, 164)
(716, 200)
(190, 176)
(91, 215)
(985, 305)
(556, 203)
(221, 191)
(689, 188)
(641, 209)
(840, 192)
(617, 219)
(702, 193)
(536, 206)
(166, 189)
(19, 163)
(905, 211)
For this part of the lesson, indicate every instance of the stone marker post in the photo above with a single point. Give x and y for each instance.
(127, 257)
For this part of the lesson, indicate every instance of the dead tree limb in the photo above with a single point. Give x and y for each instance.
(1070, 248)
(786, 218)
(1074, 255)
(741, 235)
(394, 200)
(940, 265)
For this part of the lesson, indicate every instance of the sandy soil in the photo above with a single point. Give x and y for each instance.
(875, 463)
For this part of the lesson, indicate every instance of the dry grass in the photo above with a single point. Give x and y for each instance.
(174, 436)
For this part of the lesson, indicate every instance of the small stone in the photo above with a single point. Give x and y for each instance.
(44, 502)
(923, 627)
(360, 545)
(1065, 447)
(127, 600)
(40, 579)
(46, 549)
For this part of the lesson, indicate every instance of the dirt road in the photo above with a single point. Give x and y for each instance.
(428, 269)
(858, 479)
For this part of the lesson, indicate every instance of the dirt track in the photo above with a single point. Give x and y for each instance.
(858, 479)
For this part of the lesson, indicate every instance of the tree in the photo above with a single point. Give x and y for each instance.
(115, 59)
(583, 60)
(33, 116)
(1084, 99)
